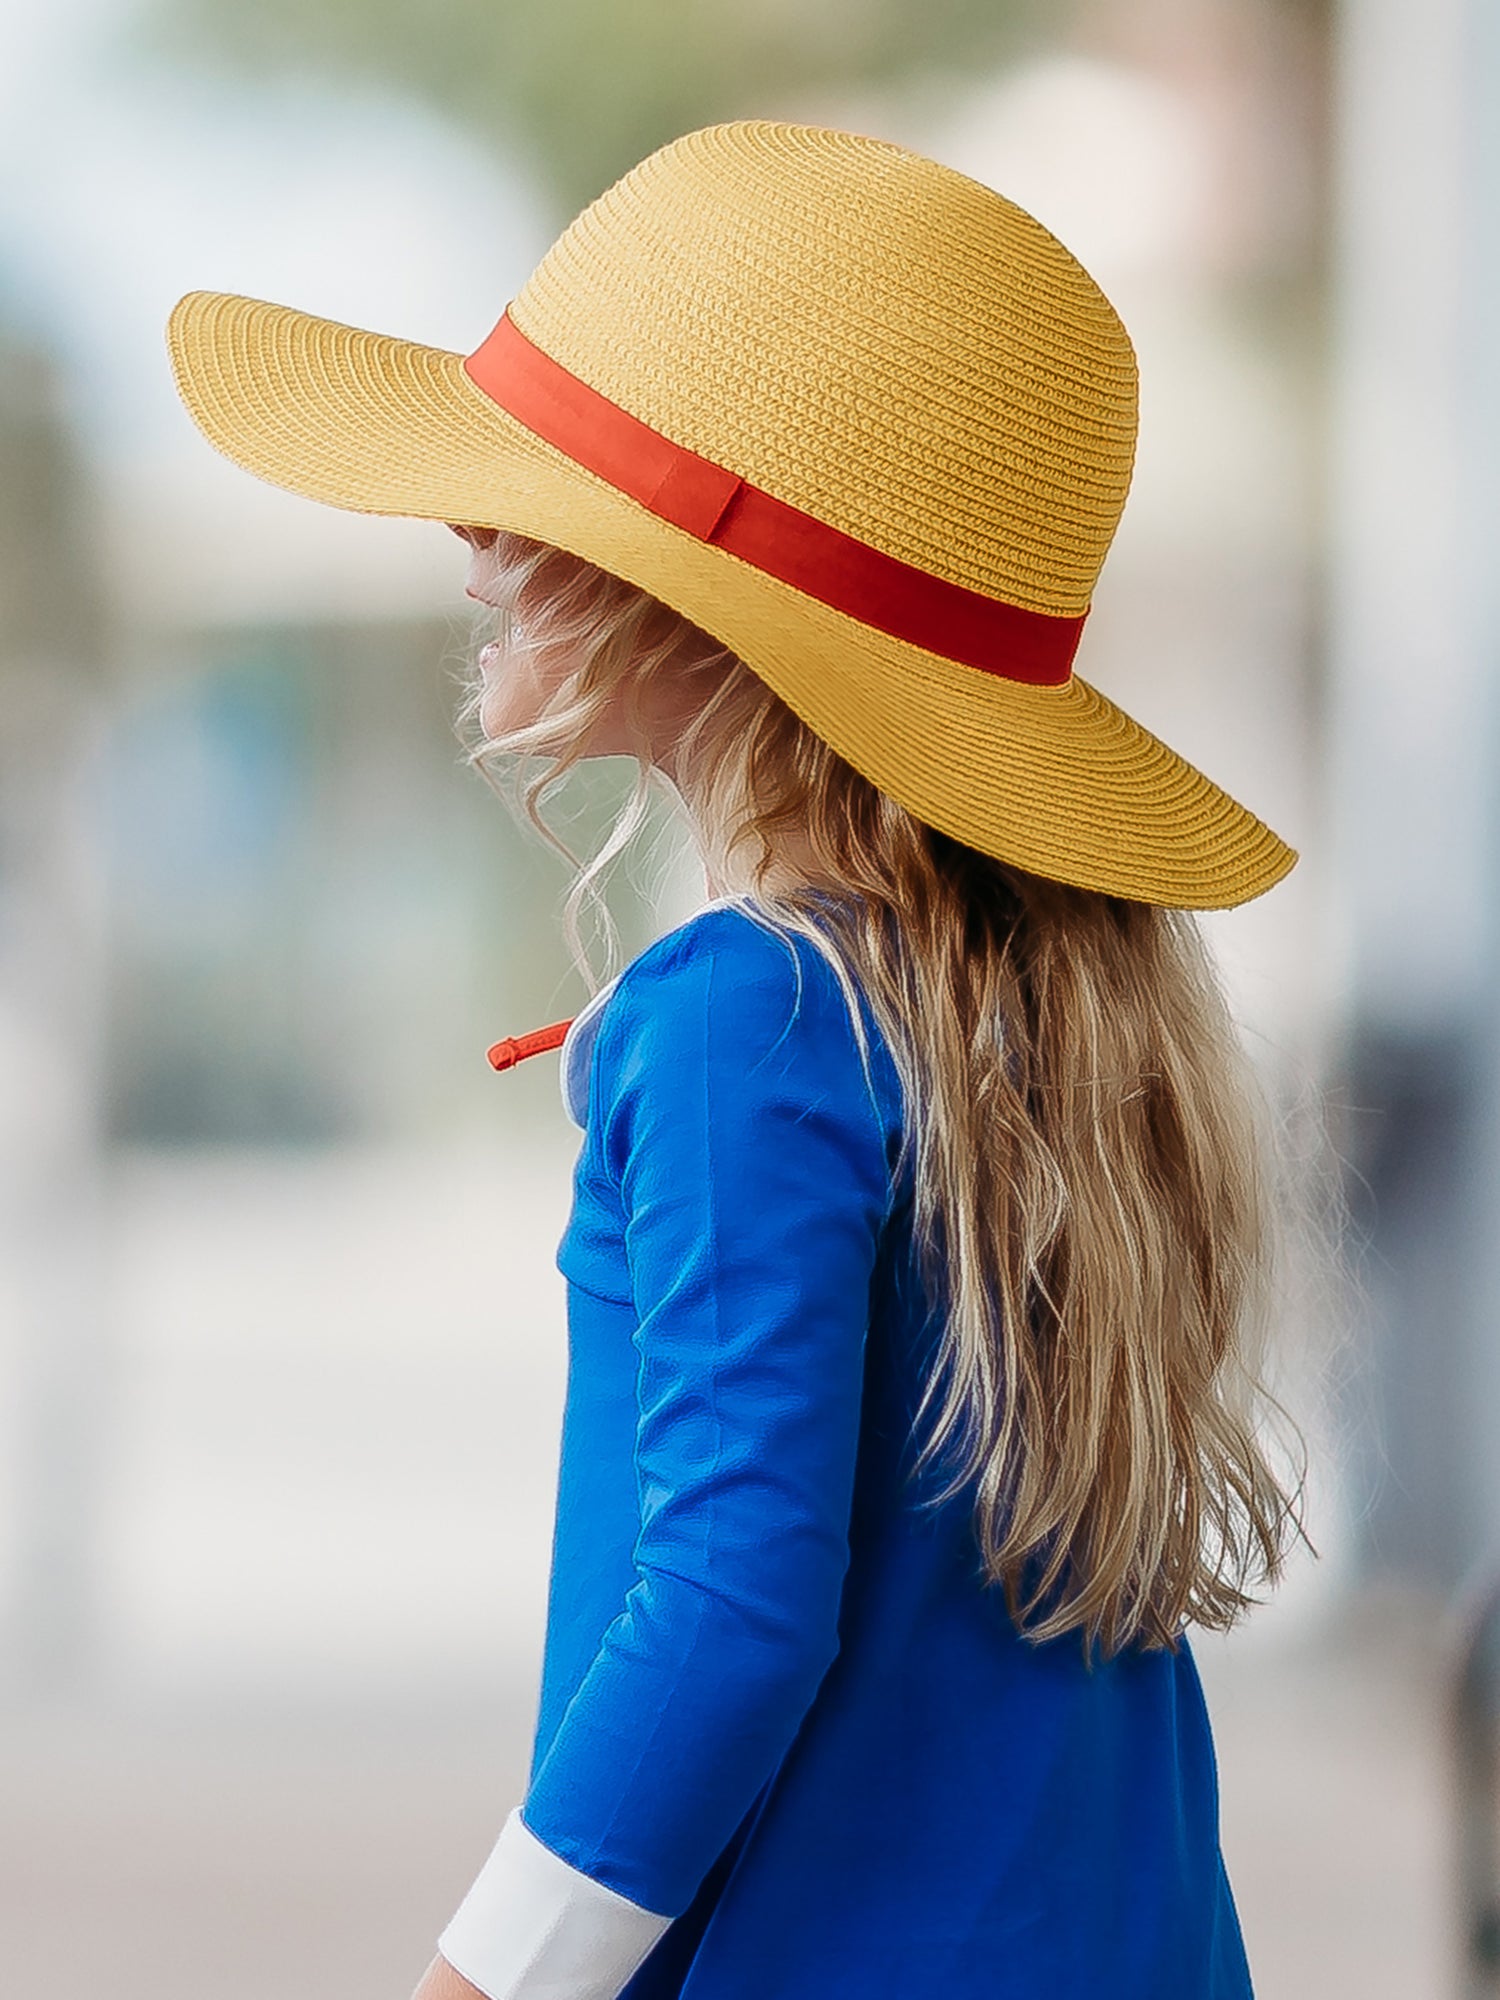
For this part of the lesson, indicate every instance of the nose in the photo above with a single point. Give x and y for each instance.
(478, 539)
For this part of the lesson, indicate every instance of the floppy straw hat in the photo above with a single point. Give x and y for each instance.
(860, 418)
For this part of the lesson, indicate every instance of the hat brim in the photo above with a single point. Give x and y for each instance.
(1056, 780)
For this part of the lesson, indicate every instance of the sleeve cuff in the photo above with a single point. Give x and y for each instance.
(533, 1927)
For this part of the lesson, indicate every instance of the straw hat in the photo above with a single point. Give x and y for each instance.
(860, 418)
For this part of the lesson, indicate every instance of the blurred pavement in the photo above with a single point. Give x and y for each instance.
(324, 1594)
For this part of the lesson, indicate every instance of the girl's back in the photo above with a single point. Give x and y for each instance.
(951, 1808)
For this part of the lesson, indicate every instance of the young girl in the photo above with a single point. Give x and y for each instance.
(920, 1220)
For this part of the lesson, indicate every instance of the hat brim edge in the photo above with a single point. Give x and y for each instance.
(1058, 781)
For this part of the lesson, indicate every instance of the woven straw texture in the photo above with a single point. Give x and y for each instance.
(870, 337)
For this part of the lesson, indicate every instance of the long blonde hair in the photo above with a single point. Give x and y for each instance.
(1087, 1140)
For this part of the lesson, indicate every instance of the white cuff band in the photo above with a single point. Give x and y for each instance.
(533, 1927)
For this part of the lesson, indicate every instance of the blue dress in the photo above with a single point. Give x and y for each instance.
(778, 1706)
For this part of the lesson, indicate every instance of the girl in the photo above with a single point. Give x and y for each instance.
(919, 1222)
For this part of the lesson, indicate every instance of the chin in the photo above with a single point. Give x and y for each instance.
(496, 718)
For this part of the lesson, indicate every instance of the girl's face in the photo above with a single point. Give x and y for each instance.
(517, 682)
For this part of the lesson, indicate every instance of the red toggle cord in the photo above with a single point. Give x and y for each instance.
(715, 505)
(504, 1055)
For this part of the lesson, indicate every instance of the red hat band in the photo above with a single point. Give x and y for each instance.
(717, 506)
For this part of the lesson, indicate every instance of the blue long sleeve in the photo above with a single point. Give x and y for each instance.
(787, 1743)
(738, 1157)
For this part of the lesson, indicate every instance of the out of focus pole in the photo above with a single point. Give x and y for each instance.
(57, 1348)
(1476, 1688)
(1475, 1728)
(1414, 751)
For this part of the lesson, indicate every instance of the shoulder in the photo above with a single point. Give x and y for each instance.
(729, 939)
(734, 975)
(761, 1008)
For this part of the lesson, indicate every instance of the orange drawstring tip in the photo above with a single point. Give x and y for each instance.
(515, 1048)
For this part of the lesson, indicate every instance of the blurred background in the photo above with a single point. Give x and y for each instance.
(281, 1340)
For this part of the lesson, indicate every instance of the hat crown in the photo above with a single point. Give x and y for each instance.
(865, 334)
